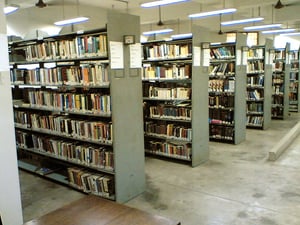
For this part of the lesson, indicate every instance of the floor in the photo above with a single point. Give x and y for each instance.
(237, 186)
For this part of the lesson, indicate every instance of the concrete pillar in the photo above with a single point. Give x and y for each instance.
(10, 198)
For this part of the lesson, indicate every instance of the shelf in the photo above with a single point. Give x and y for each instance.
(255, 58)
(255, 113)
(229, 59)
(162, 99)
(221, 76)
(173, 60)
(254, 100)
(168, 138)
(59, 60)
(277, 105)
(170, 80)
(169, 119)
(113, 198)
(222, 124)
(40, 152)
(222, 108)
(228, 93)
(251, 73)
(57, 110)
(32, 168)
(58, 134)
(167, 155)
(255, 87)
(221, 139)
(250, 125)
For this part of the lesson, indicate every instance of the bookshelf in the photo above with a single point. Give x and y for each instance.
(227, 109)
(71, 113)
(280, 82)
(294, 102)
(259, 82)
(174, 90)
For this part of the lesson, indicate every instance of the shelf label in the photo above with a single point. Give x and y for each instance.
(116, 55)
(245, 58)
(238, 57)
(135, 55)
(196, 56)
(206, 57)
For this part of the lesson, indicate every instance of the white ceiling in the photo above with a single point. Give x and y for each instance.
(27, 20)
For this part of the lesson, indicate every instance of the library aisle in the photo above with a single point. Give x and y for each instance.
(237, 186)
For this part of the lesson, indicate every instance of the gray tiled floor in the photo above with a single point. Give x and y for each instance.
(237, 186)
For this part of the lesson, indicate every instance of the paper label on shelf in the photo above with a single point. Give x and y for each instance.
(238, 57)
(197, 56)
(206, 57)
(116, 55)
(4, 63)
(245, 58)
(135, 55)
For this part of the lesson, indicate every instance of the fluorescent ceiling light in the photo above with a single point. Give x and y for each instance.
(10, 9)
(178, 36)
(291, 34)
(161, 2)
(236, 22)
(153, 32)
(212, 13)
(278, 31)
(71, 21)
(261, 27)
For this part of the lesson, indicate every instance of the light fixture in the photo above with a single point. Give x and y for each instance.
(75, 20)
(261, 27)
(71, 21)
(236, 22)
(290, 34)
(161, 2)
(154, 32)
(10, 9)
(278, 31)
(212, 13)
(181, 36)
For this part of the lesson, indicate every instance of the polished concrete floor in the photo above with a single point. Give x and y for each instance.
(237, 186)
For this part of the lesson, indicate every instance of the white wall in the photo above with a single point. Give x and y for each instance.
(10, 200)
(280, 42)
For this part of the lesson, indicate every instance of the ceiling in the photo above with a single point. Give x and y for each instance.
(29, 19)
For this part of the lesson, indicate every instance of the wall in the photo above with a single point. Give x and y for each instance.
(10, 200)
